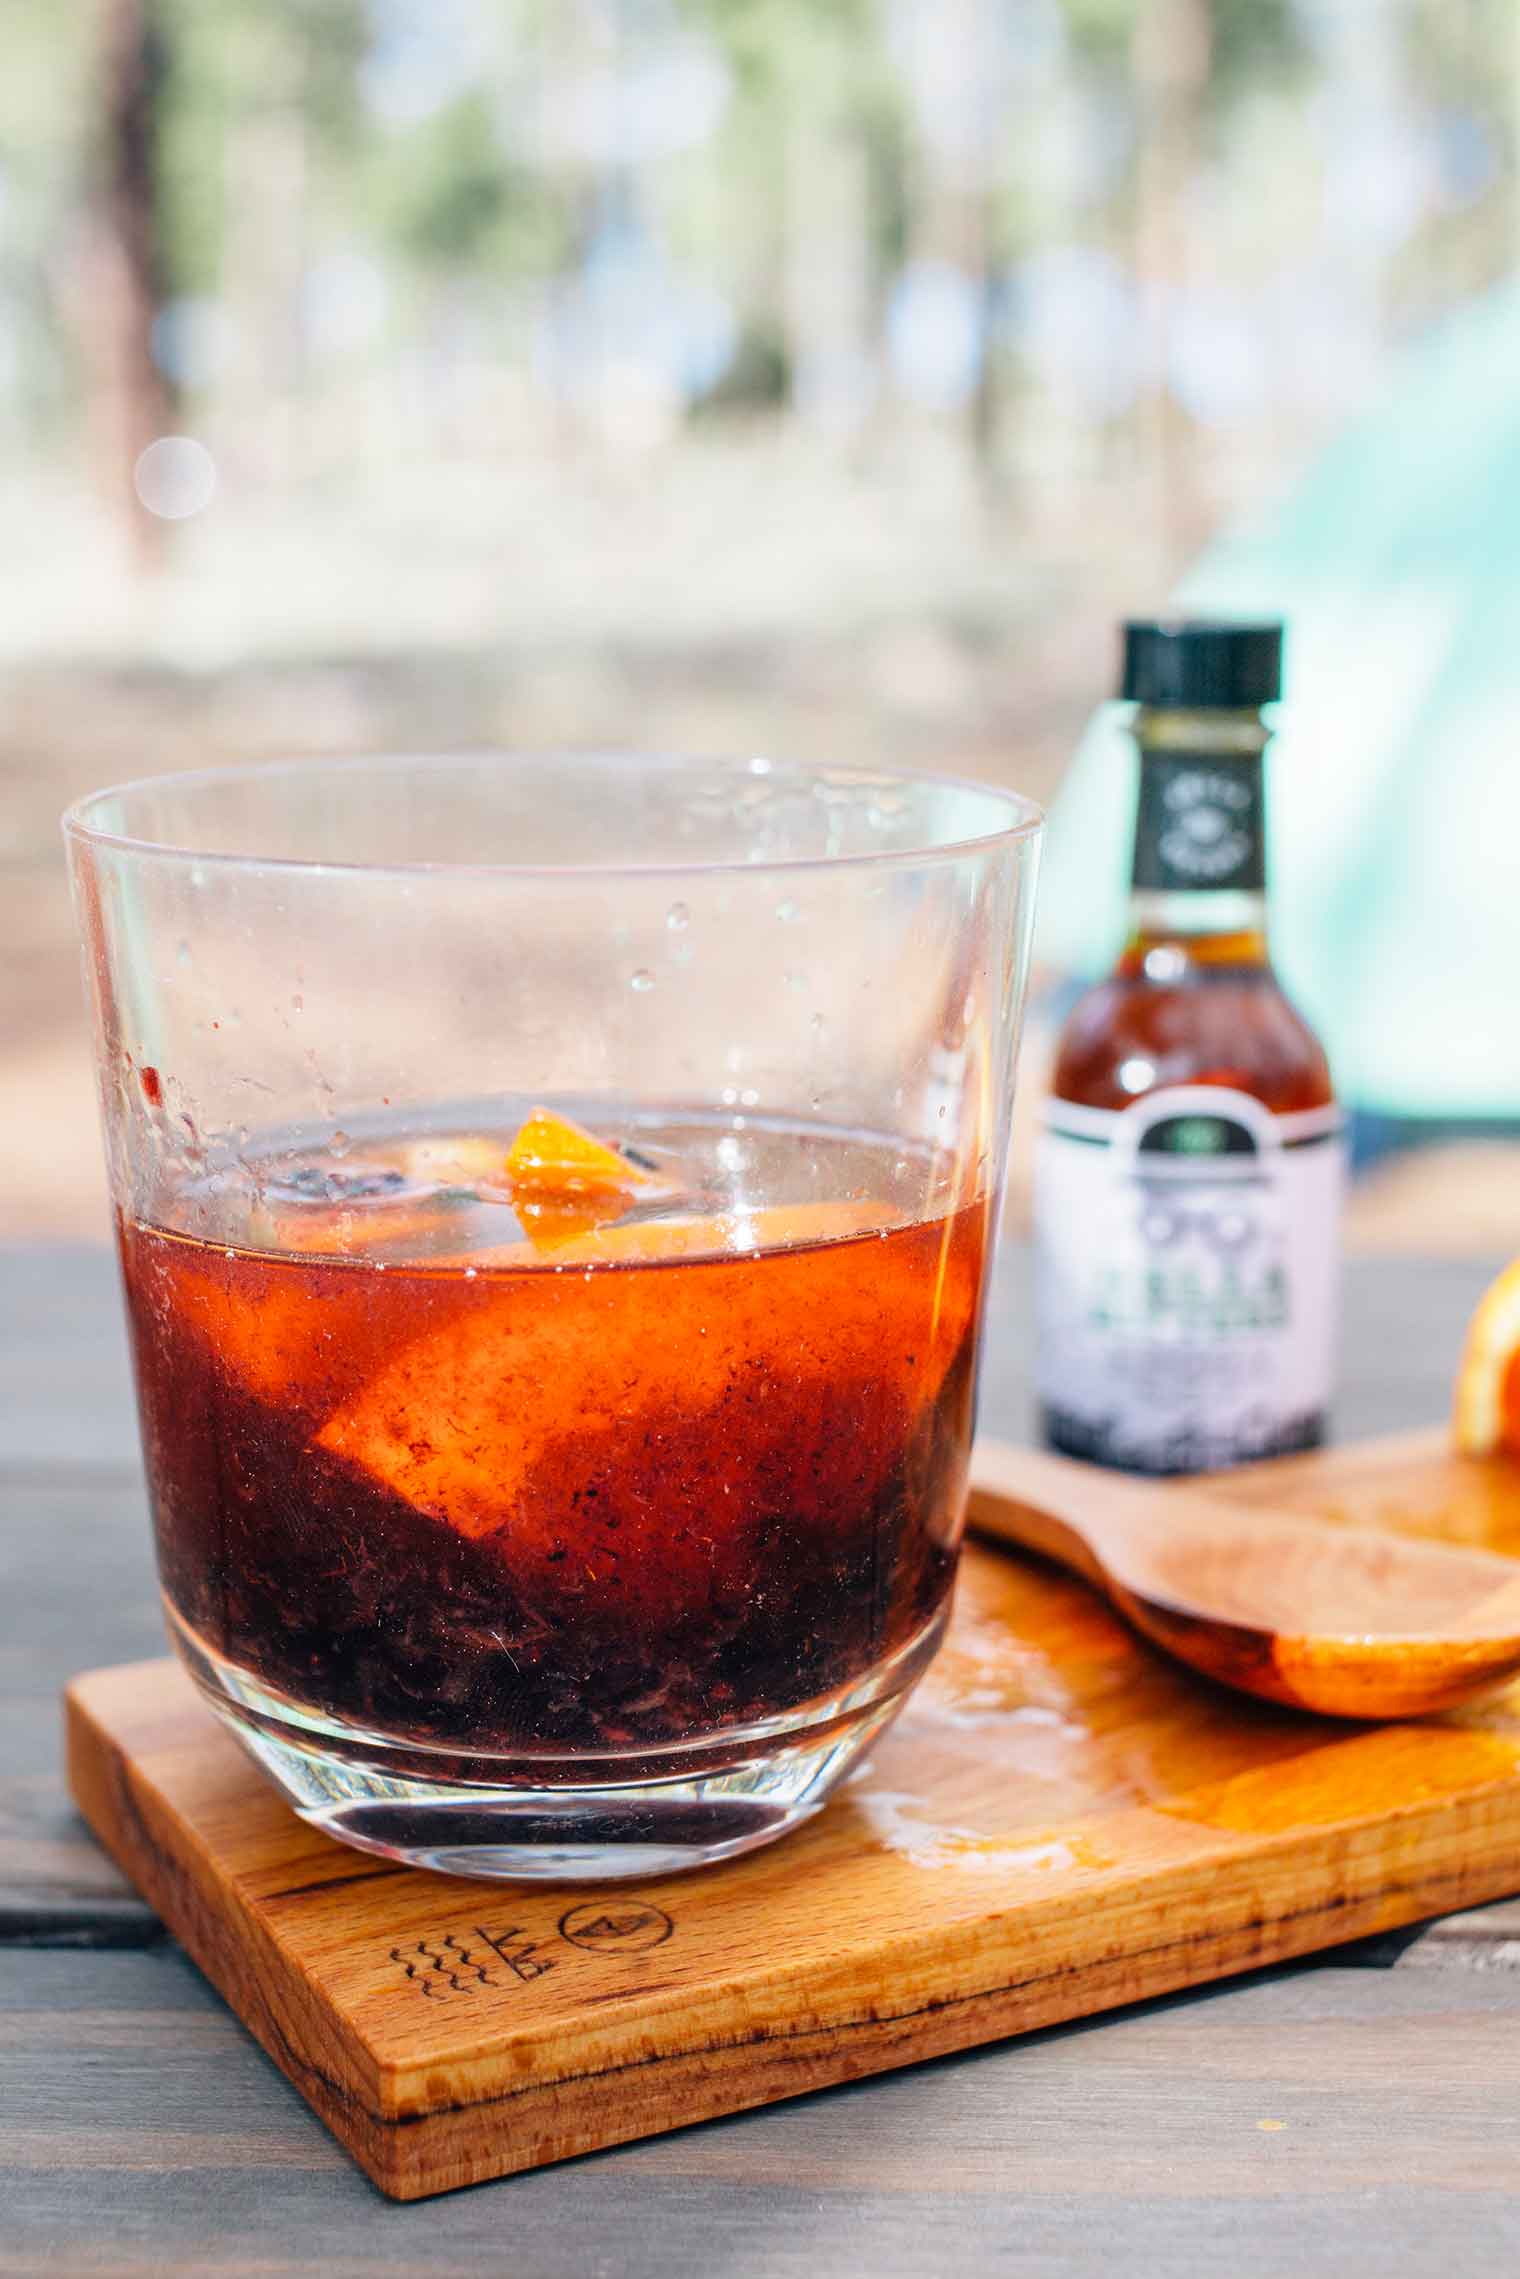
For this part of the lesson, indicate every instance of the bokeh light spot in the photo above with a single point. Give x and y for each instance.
(175, 477)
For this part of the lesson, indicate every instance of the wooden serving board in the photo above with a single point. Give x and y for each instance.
(1061, 1821)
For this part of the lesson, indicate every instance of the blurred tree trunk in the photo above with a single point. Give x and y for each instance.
(958, 225)
(825, 260)
(1171, 55)
(130, 399)
(958, 94)
(265, 171)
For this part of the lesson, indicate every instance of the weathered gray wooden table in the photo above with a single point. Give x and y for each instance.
(1359, 2114)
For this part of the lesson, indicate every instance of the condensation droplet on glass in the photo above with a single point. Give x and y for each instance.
(795, 980)
(786, 911)
(339, 1144)
(759, 766)
(678, 917)
(749, 1097)
(298, 1004)
(470, 1273)
(641, 980)
(729, 1096)
(818, 1024)
(182, 954)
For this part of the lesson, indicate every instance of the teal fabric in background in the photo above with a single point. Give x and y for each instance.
(1394, 785)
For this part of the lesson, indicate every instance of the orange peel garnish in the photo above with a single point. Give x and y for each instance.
(565, 1182)
(554, 1158)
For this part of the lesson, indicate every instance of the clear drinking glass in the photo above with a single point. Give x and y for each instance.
(555, 1197)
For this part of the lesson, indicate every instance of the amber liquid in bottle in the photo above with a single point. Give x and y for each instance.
(1188, 1194)
(1193, 996)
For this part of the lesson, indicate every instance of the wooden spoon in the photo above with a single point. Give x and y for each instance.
(1349, 1621)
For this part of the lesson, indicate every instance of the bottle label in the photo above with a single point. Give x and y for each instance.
(1200, 823)
(1187, 1276)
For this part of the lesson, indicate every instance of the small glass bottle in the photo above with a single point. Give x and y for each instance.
(1190, 1171)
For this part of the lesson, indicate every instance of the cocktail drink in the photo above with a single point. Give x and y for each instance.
(475, 1489)
(562, 1480)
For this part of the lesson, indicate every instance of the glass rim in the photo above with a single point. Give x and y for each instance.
(1025, 817)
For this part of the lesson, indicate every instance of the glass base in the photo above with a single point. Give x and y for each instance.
(563, 1819)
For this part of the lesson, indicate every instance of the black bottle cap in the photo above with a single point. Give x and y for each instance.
(1183, 664)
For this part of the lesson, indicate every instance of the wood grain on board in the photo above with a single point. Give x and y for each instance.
(1062, 1821)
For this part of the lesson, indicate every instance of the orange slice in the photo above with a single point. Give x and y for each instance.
(631, 1441)
(550, 1153)
(1486, 1414)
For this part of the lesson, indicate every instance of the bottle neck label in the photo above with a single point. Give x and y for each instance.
(1201, 823)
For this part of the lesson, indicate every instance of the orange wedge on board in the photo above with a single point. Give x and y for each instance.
(1486, 1414)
